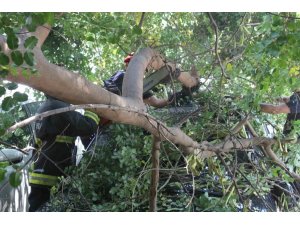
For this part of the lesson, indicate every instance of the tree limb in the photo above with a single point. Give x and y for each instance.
(274, 157)
(42, 33)
(142, 20)
(154, 174)
(216, 44)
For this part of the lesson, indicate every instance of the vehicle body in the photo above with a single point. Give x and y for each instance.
(15, 199)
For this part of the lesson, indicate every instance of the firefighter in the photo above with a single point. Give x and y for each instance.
(291, 107)
(115, 82)
(55, 139)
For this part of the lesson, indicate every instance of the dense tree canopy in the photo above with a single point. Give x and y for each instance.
(242, 59)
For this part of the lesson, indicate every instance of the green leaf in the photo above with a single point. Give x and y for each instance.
(2, 131)
(4, 164)
(17, 58)
(48, 17)
(31, 27)
(7, 103)
(15, 179)
(4, 60)
(4, 21)
(11, 86)
(19, 97)
(37, 19)
(12, 41)
(137, 30)
(2, 91)
(2, 174)
(9, 31)
(90, 38)
(229, 67)
(28, 57)
(3, 72)
(30, 42)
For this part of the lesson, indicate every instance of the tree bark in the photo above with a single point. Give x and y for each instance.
(154, 174)
(75, 89)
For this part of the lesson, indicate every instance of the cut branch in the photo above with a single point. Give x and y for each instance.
(142, 19)
(274, 157)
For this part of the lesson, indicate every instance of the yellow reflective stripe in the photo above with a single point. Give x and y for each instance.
(64, 139)
(42, 179)
(38, 142)
(92, 115)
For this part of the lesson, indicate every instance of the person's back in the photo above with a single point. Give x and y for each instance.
(294, 106)
(56, 138)
(115, 82)
(291, 107)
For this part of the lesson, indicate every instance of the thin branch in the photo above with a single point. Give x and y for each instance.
(274, 157)
(13, 146)
(142, 20)
(216, 44)
(234, 34)
(72, 108)
(255, 189)
(251, 129)
(231, 174)
(287, 17)
(238, 127)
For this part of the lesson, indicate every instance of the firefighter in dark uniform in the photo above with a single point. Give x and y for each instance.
(55, 139)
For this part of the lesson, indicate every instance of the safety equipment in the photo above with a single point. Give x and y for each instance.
(55, 140)
(42, 179)
(128, 58)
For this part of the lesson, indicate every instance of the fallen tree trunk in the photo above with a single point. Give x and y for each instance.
(75, 89)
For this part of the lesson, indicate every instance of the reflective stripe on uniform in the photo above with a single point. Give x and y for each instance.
(92, 115)
(38, 142)
(42, 179)
(64, 139)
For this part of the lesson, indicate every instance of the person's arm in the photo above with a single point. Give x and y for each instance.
(82, 125)
(156, 102)
(274, 109)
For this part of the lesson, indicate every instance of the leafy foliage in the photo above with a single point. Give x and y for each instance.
(259, 54)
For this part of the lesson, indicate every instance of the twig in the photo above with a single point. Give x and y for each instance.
(13, 146)
(287, 17)
(275, 159)
(251, 129)
(239, 26)
(255, 189)
(231, 174)
(142, 20)
(238, 127)
(216, 44)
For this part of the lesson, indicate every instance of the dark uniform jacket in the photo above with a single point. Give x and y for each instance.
(56, 136)
(294, 105)
(115, 82)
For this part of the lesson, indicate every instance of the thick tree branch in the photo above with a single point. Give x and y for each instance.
(42, 33)
(154, 174)
(127, 116)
